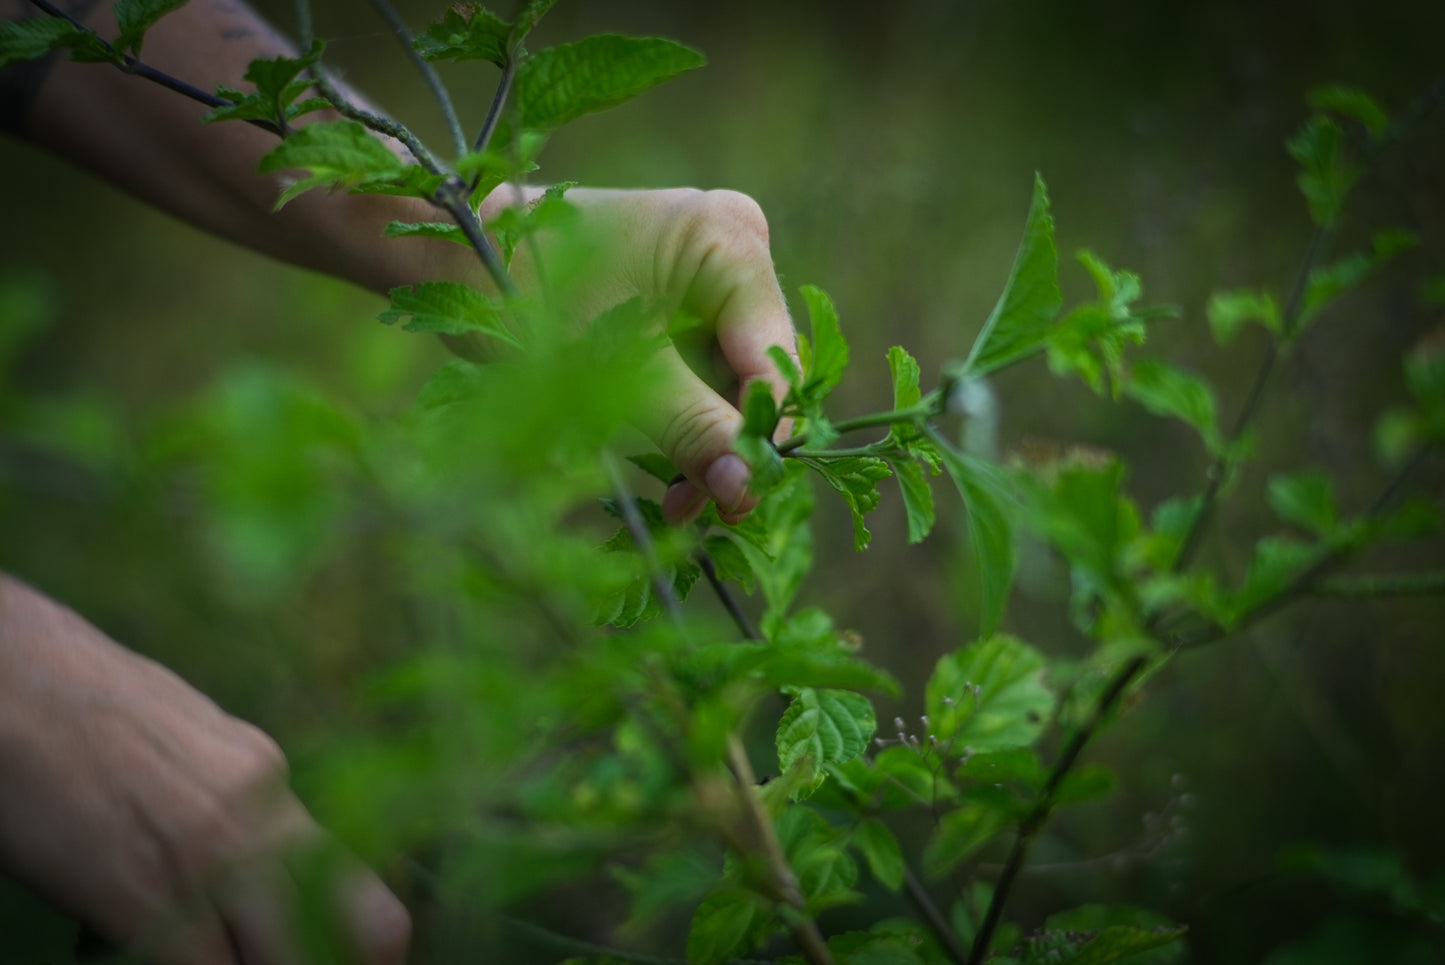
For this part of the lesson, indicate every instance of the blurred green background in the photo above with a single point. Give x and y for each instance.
(893, 146)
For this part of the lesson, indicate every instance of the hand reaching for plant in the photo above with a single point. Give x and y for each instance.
(137, 804)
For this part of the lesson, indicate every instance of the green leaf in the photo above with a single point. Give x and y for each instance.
(34, 37)
(1167, 391)
(1425, 372)
(1017, 765)
(1020, 322)
(531, 12)
(856, 479)
(448, 307)
(1091, 782)
(882, 852)
(917, 498)
(1230, 311)
(1353, 103)
(656, 465)
(906, 377)
(1090, 340)
(1329, 282)
(135, 17)
(465, 33)
(721, 925)
(278, 83)
(336, 153)
(989, 696)
(560, 84)
(825, 727)
(1305, 498)
(987, 502)
(443, 230)
(1080, 947)
(1098, 918)
(1326, 174)
(1276, 563)
(755, 442)
(959, 834)
(829, 350)
(1398, 433)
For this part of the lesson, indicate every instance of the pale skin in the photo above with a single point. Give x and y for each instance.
(132, 800)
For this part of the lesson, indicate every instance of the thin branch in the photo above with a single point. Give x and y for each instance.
(642, 540)
(499, 103)
(1367, 585)
(428, 73)
(138, 67)
(928, 407)
(725, 596)
(939, 925)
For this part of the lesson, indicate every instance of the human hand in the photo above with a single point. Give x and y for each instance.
(137, 804)
(704, 253)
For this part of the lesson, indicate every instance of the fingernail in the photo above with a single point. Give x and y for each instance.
(727, 480)
(682, 502)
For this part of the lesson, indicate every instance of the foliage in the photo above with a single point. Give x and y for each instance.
(625, 745)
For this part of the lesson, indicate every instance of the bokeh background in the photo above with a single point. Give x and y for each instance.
(893, 146)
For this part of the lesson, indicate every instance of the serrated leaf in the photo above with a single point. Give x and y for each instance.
(441, 230)
(828, 349)
(989, 696)
(986, 501)
(1326, 175)
(1351, 102)
(465, 33)
(721, 925)
(135, 17)
(881, 850)
(1230, 311)
(448, 307)
(559, 84)
(34, 37)
(959, 834)
(336, 153)
(826, 727)
(856, 479)
(1168, 391)
(1327, 283)
(1305, 498)
(1020, 322)
(278, 84)
(917, 498)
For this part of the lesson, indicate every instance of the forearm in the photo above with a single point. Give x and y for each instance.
(150, 142)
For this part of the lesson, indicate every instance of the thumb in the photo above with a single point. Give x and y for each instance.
(695, 427)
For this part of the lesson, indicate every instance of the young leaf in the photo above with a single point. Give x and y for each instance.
(1327, 283)
(1276, 562)
(278, 83)
(755, 443)
(882, 852)
(917, 498)
(443, 230)
(1306, 499)
(135, 17)
(906, 377)
(986, 502)
(560, 84)
(959, 834)
(335, 153)
(829, 350)
(1167, 391)
(465, 33)
(1230, 311)
(721, 925)
(1020, 322)
(989, 696)
(448, 307)
(856, 479)
(1353, 103)
(1326, 175)
(34, 37)
(826, 727)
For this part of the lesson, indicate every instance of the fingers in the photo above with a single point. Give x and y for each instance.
(695, 428)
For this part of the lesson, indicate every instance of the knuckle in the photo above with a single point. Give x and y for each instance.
(688, 430)
(736, 213)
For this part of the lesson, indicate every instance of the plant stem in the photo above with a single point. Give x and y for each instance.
(725, 596)
(1382, 584)
(133, 65)
(1038, 816)
(933, 917)
(499, 102)
(428, 73)
(642, 541)
(782, 882)
(912, 414)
